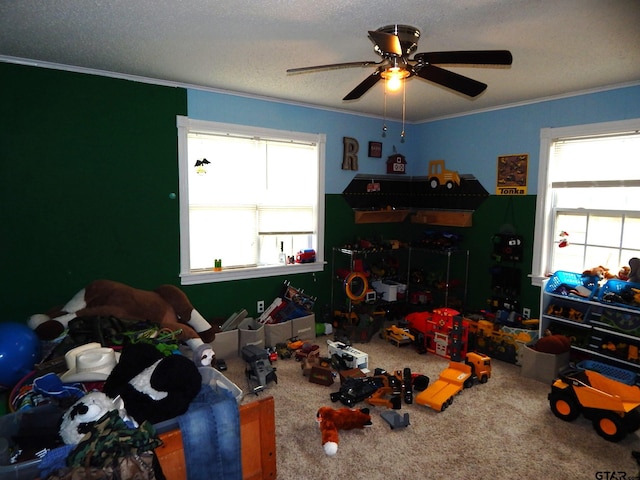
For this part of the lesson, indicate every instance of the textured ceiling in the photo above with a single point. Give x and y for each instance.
(559, 46)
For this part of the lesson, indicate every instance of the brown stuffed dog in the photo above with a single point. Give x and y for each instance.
(331, 420)
(166, 306)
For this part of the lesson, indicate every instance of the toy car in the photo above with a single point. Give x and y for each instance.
(307, 350)
(283, 351)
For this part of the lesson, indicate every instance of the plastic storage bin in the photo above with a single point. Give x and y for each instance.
(620, 293)
(619, 374)
(563, 283)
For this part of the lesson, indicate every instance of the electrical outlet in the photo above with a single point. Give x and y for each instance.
(526, 313)
(260, 306)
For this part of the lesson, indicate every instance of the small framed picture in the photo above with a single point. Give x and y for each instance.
(375, 149)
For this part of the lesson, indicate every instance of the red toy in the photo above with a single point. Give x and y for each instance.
(331, 420)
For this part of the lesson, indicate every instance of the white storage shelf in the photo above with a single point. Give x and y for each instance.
(599, 331)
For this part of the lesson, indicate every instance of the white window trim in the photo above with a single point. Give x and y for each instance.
(188, 277)
(543, 221)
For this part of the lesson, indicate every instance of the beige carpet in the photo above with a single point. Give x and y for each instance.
(503, 429)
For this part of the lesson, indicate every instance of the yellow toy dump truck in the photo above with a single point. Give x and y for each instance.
(438, 175)
(439, 395)
(612, 406)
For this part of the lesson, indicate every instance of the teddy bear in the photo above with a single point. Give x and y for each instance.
(330, 420)
(166, 306)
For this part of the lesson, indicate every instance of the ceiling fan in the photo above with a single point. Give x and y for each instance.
(394, 43)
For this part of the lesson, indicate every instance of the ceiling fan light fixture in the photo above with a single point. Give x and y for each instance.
(394, 77)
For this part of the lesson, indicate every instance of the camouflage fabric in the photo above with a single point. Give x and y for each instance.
(135, 467)
(109, 440)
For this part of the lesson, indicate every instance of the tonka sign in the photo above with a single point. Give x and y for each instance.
(512, 174)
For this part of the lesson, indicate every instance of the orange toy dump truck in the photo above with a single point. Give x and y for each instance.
(612, 406)
(439, 395)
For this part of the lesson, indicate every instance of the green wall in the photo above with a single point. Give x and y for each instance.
(88, 164)
(488, 219)
(88, 167)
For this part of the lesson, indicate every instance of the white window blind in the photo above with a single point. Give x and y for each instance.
(252, 195)
(587, 210)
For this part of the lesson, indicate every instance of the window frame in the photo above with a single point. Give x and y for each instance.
(544, 237)
(187, 276)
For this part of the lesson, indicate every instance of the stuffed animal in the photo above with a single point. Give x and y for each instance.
(623, 273)
(85, 412)
(634, 270)
(331, 420)
(166, 306)
(552, 343)
(601, 272)
(152, 385)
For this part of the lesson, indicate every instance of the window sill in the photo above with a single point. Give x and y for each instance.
(249, 273)
(537, 280)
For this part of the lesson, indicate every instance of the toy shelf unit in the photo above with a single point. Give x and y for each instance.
(601, 328)
(374, 277)
(436, 276)
(368, 287)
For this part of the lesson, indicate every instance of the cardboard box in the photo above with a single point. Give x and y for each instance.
(275, 333)
(304, 327)
(226, 344)
(251, 332)
(543, 367)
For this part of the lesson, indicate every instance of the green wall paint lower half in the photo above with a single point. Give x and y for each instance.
(493, 215)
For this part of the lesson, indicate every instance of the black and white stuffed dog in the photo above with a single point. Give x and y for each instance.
(153, 386)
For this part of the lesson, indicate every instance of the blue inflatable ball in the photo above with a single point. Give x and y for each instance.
(19, 352)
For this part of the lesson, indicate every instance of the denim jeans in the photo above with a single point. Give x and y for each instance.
(211, 436)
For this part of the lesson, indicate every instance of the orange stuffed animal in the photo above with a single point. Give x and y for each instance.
(331, 420)
(167, 306)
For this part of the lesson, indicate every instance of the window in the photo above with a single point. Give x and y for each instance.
(249, 197)
(588, 213)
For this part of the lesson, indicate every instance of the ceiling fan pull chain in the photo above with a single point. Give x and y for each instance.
(404, 93)
(384, 117)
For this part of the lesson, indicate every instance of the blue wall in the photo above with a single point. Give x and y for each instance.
(205, 105)
(472, 143)
(469, 143)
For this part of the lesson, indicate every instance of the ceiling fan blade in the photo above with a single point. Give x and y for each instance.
(460, 83)
(332, 66)
(365, 85)
(387, 42)
(466, 57)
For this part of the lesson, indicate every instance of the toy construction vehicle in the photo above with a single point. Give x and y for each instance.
(612, 406)
(356, 389)
(381, 389)
(259, 371)
(439, 395)
(398, 336)
(345, 356)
